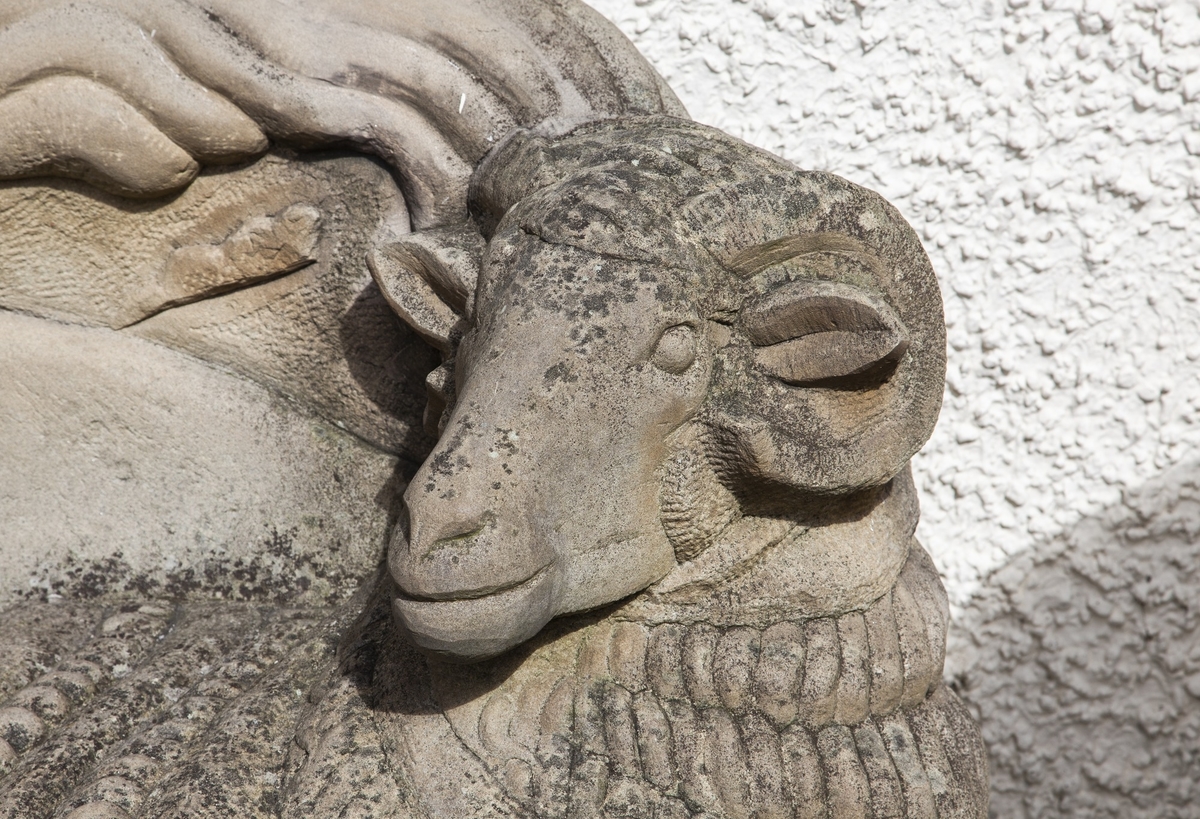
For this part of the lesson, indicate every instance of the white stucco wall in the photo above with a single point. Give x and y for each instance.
(1048, 152)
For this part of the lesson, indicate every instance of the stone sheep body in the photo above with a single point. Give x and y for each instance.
(660, 560)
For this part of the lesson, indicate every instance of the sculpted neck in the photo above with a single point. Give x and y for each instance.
(601, 695)
(761, 570)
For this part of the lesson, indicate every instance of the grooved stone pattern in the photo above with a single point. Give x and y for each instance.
(1049, 152)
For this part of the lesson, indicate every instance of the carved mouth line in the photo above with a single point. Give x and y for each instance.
(473, 594)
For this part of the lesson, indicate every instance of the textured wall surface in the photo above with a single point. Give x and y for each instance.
(1048, 151)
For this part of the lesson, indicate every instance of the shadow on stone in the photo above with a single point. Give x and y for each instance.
(392, 676)
(390, 363)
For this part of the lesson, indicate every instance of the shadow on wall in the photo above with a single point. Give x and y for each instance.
(1082, 663)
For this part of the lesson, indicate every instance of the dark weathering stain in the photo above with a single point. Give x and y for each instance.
(277, 572)
(447, 461)
(559, 372)
(596, 304)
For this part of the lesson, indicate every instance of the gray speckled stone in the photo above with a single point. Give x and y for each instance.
(659, 561)
(209, 709)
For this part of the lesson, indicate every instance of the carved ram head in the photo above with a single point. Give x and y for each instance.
(651, 330)
(664, 331)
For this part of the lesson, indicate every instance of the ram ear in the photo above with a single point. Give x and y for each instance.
(824, 334)
(429, 278)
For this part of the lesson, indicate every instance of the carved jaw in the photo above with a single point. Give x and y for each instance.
(829, 558)
(474, 628)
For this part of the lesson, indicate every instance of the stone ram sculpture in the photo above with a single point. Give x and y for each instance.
(660, 561)
(734, 362)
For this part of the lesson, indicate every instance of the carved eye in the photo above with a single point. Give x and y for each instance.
(676, 349)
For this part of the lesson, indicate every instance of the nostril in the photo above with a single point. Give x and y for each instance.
(455, 543)
(462, 557)
(429, 535)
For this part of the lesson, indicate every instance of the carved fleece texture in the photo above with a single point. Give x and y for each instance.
(217, 709)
